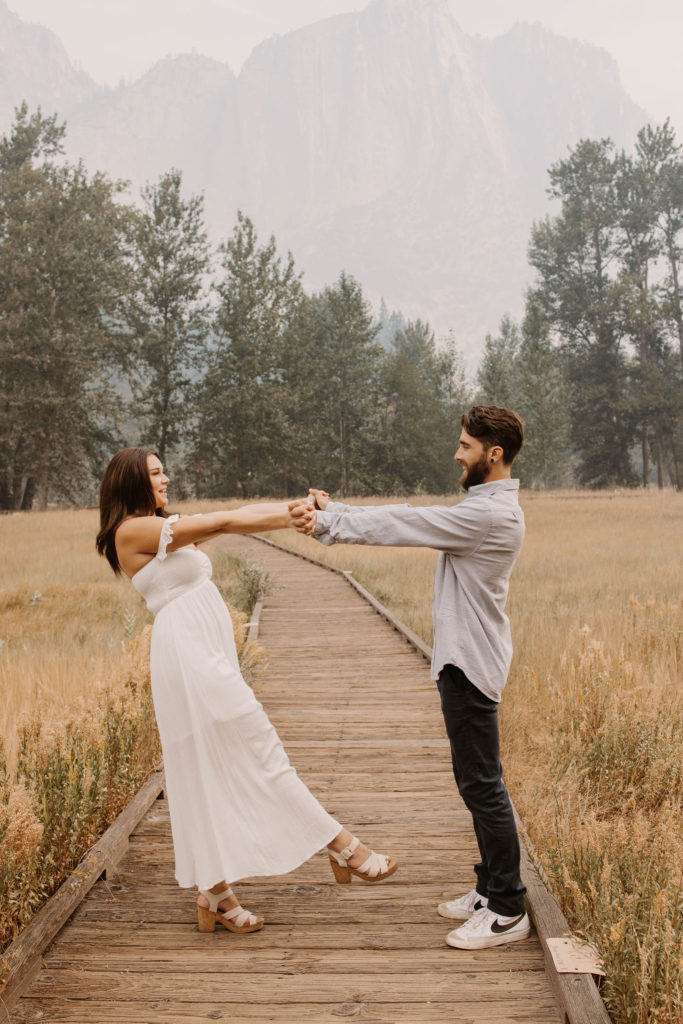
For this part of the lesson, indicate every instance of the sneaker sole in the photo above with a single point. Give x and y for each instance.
(462, 915)
(489, 940)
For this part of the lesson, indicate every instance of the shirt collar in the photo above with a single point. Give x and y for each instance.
(495, 485)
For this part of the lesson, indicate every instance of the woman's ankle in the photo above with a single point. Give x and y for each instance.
(341, 841)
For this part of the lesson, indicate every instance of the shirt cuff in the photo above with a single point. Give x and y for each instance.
(336, 506)
(322, 526)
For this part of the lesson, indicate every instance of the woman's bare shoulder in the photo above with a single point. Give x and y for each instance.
(136, 528)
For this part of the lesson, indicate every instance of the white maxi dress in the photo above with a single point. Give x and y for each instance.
(237, 806)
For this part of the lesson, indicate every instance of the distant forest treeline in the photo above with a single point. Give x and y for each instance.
(110, 335)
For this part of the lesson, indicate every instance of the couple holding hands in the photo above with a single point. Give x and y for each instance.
(237, 806)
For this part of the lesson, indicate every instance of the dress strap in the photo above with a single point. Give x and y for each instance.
(166, 536)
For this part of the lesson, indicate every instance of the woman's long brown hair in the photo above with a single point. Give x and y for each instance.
(125, 491)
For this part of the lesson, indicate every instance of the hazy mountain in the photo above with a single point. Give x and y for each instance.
(386, 142)
(34, 66)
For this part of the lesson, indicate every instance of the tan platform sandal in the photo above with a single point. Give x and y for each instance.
(375, 869)
(235, 920)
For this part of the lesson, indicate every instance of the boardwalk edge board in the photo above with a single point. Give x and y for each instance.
(577, 995)
(254, 624)
(22, 959)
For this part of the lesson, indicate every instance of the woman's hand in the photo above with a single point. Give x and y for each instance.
(319, 498)
(302, 516)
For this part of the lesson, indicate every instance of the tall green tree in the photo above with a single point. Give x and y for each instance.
(576, 255)
(166, 313)
(496, 374)
(425, 393)
(541, 398)
(344, 333)
(61, 276)
(661, 158)
(657, 149)
(640, 248)
(242, 413)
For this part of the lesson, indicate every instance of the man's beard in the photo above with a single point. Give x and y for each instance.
(476, 474)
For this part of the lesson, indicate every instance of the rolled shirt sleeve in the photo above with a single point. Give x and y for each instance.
(458, 530)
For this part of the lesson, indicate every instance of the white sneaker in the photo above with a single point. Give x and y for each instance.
(463, 907)
(485, 928)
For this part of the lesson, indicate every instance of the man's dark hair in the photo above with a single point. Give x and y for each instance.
(491, 424)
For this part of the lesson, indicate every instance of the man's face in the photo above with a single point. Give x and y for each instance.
(473, 458)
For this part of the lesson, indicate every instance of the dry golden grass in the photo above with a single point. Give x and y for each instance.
(592, 718)
(63, 615)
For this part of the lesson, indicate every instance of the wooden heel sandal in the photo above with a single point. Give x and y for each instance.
(376, 868)
(235, 920)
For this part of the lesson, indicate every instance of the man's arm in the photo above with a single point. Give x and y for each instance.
(459, 529)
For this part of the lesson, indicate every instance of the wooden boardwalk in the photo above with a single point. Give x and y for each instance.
(360, 718)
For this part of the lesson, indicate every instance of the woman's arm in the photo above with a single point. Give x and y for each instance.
(140, 535)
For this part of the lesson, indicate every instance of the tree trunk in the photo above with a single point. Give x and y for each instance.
(660, 461)
(17, 488)
(44, 481)
(342, 457)
(29, 494)
(676, 296)
(646, 453)
(674, 462)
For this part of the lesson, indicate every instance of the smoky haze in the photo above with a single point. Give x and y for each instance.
(115, 39)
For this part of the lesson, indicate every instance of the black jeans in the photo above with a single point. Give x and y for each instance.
(472, 725)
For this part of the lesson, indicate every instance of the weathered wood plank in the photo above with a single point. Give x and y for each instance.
(210, 956)
(248, 987)
(409, 935)
(162, 1009)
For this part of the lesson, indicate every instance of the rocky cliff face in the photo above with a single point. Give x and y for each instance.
(34, 66)
(384, 142)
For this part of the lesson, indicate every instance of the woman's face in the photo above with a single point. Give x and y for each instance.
(158, 480)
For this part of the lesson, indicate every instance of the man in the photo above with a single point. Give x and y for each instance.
(479, 540)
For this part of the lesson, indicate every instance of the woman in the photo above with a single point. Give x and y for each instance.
(237, 806)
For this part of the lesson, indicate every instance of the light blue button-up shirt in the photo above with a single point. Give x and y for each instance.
(479, 540)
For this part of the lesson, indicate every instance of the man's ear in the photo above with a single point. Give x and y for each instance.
(495, 453)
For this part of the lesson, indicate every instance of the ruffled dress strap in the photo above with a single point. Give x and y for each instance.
(166, 536)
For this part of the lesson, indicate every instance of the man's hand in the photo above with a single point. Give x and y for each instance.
(319, 498)
(302, 516)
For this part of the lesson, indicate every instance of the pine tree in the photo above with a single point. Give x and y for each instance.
(542, 400)
(496, 376)
(242, 414)
(389, 324)
(349, 358)
(425, 395)
(61, 272)
(576, 256)
(165, 317)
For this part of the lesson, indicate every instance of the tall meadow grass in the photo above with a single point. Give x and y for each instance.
(592, 718)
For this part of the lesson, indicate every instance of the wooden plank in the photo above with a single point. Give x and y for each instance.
(22, 958)
(210, 956)
(407, 936)
(161, 1008)
(248, 987)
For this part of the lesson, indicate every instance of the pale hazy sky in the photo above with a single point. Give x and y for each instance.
(114, 39)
